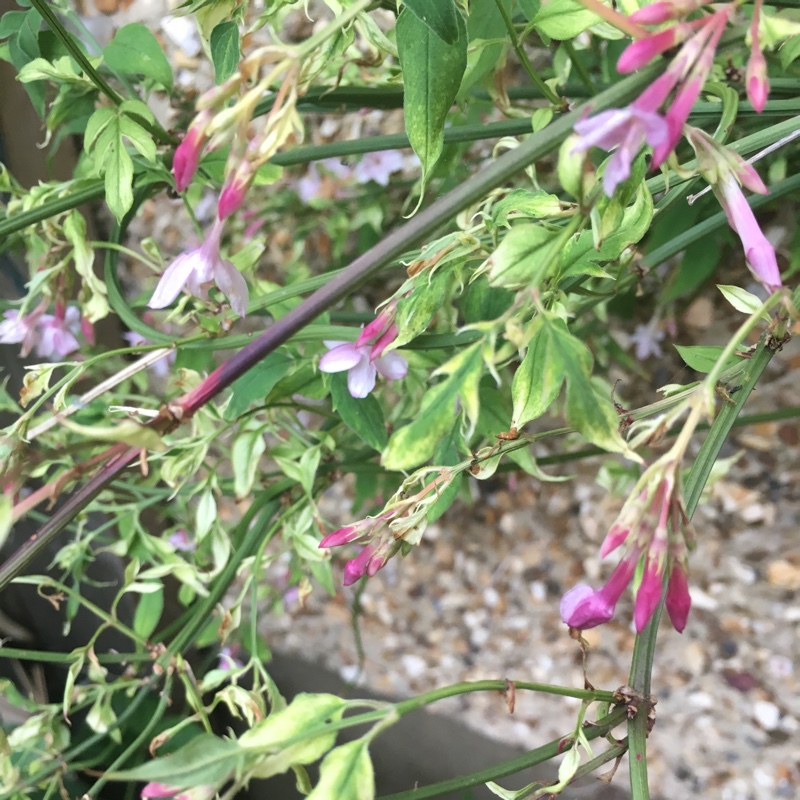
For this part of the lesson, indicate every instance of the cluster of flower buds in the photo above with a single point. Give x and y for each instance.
(658, 115)
(367, 356)
(400, 525)
(726, 172)
(655, 532)
(51, 335)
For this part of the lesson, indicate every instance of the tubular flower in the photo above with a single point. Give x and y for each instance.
(653, 527)
(157, 790)
(727, 172)
(199, 269)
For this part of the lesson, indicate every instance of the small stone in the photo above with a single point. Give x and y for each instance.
(784, 574)
(414, 665)
(766, 714)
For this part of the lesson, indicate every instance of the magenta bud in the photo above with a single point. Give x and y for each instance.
(643, 51)
(187, 157)
(648, 596)
(231, 198)
(338, 538)
(654, 14)
(356, 568)
(615, 537)
(383, 342)
(678, 601)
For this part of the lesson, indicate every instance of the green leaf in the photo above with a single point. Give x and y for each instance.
(23, 47)
(134, 50)
(539, 377)
(703, 358)
(225, 50)
(256, 384)
(363, 416)
(564, 19)
(148, 612)
(207, 759)
(524, 203)
(520, 259)
(248, 447)
(346, 774)
(415, 443)
(432, 72)
(742, 300)
(416, 310)
(11, 22)
(487, 41)
(441, 16)
(93, 296)
(304, 713)
(789, 52)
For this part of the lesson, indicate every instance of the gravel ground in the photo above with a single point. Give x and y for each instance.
(479, 598)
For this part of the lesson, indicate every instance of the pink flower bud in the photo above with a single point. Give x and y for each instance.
(643, 51)
(583, 608)
(756, 78)
(187, 154)
(232, 197)
(678, 602)
(648, 596)
(356, 568)
(342, 536)
(383, 342)
(654, 14)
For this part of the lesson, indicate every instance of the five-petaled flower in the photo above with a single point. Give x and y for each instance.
(51, 335)
(366, 357)
(199, 269)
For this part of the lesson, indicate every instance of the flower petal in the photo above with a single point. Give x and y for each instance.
(232, 285)
(392, 366)
(361, 378)
(173, 280)
(344, 356)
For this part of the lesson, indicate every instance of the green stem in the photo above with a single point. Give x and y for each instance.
(333, 27)
(644, 647)
(538, 756)
(523, 56)
(583, 73)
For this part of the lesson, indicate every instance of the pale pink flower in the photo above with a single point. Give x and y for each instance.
(199, 269)
(756, 78)
(758, 251)
(181, 540)
(50, 335)
(227, 659)
(626, 129)
(647, 339)
(361, 368)
(378, 166)
(316, 184)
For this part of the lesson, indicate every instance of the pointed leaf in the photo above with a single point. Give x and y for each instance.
(432, 72)
(225, 54)
(134, 50)
(441, 16)
(346, 774)
(363, 416)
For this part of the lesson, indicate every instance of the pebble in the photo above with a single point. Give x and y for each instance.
(414, 666)
(766, 714)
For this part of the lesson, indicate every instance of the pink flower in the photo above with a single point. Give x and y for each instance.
(51, 335)
(756, 78)
(362, 368)
(665, 10)
(378, 166)
(155, 790)
(228, 660)
(627, 129)
(678, 602)
(187, 153)
(582, 607)
(652, 525)
(647, 339)
(199, 269)
(643, 51)
(180, 540)
(760, 254)
(315, 184)
(235, 190)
